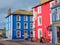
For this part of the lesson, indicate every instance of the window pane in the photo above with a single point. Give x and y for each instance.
(18, 33)
(39, 9)
(18, 17)
(25, 25)
(31, 18)
(39, 20)
(31, 33)
(34, 13)
(25, 18)
(18, 25)
(31, 25)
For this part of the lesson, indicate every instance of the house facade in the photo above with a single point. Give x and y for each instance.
(19, 24)
(56, 22)
(42, 18)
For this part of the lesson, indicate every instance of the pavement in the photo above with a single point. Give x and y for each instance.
(16, 42)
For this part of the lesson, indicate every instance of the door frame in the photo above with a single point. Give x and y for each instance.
(25, 34)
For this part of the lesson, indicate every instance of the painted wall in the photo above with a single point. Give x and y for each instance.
(9, 27)
(22, 26)
(45, 13)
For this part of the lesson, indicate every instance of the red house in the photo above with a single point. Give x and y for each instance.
(42, 20)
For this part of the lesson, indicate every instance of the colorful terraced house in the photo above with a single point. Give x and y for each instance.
(56, 22)
(19, 24)
(42, 18)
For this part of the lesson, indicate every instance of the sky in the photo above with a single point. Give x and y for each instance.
(14, 5)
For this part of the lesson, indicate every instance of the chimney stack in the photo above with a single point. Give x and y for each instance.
(9, 11)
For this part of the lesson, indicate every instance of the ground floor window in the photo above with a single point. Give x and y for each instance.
(39, 33)
(31, 33)
(18, 33)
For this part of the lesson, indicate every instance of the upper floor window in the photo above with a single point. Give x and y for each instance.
(25, 18)
(18, 18)
(39, 20)
(25, 25)
(31, 25)
(31, 18)
(52, 3)
(39, 9)
(34, 13)
(18, 25)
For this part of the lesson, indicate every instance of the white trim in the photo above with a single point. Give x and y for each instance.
(39, 34)
(51, 3)
(34, 14)
(39, 9)
(58, 13)
(19, 25)
(11, 25)
(33, 33)
(31, 24)
(50, 18)
(31, 18)
(39, 19)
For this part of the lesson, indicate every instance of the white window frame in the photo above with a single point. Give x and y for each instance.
(25, 18)
(34, 14)
(20, 33)
(19, 25)
(39, 17)
(17, 17)
(51, 3)
(31, 24)
(32, 33)
(58, 13)
(39, 35)
(9, 26)
(31, 18)
(24, 25)
(39, 9)
(50, 18)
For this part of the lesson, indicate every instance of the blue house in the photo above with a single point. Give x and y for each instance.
(56, 24)
(19, 24)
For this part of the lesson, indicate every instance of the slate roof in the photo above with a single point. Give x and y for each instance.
(18, 12)
(23, 12)
(43, 2)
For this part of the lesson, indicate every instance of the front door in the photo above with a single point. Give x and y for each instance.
(25, 34)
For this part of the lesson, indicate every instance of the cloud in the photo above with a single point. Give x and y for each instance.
(14, 5)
